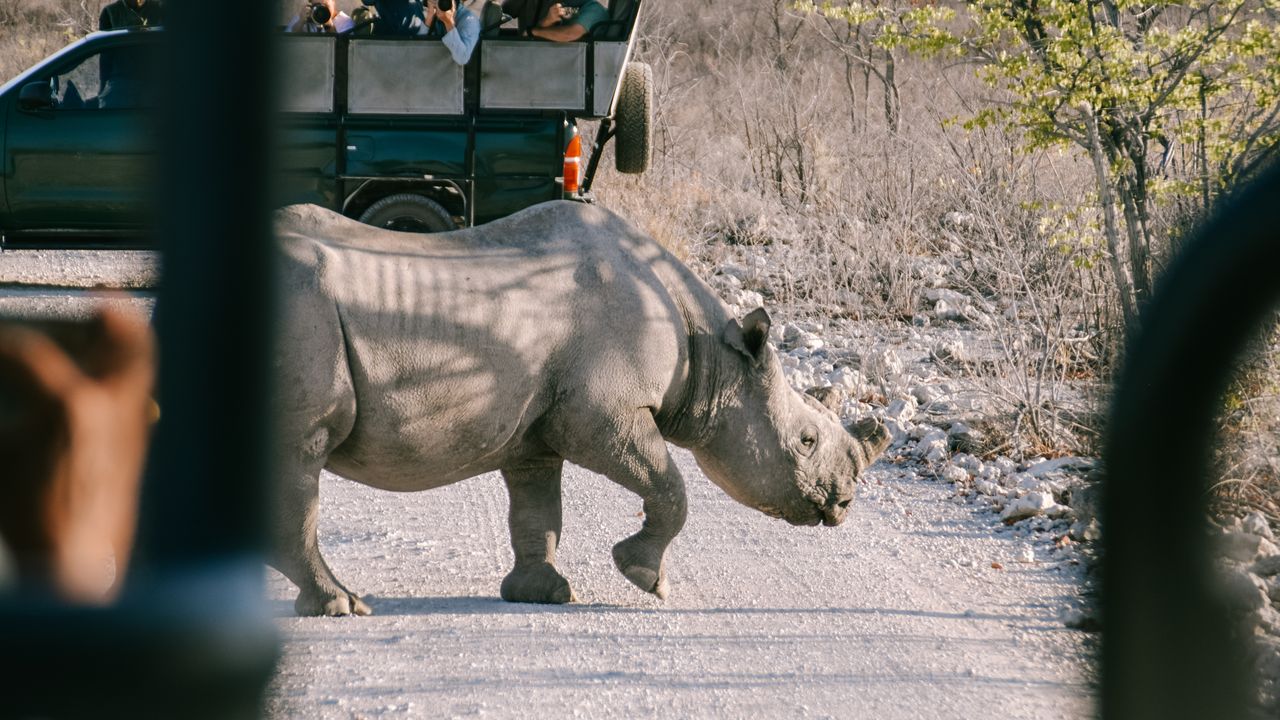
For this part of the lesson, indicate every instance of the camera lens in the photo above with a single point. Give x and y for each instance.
(320, 13)
(445, 5)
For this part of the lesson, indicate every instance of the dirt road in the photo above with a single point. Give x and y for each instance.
(896, 614)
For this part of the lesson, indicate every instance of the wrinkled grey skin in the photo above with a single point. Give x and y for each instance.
(409, 362)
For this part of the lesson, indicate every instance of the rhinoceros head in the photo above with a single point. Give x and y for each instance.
(775, 449)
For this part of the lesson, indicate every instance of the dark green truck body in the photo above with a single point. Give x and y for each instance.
(363, 119)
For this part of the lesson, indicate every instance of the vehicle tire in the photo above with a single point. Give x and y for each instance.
(407, 212)
(633, 145)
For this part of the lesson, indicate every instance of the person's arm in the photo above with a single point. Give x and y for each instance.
(463, 32)
(342, 23)
(559, 33)
(557, 26)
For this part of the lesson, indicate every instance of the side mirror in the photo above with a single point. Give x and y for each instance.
(36, 96)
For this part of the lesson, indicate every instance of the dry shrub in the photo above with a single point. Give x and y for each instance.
(1247, 456)
(31, 30)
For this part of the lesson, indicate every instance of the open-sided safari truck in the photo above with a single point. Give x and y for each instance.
(390, 131)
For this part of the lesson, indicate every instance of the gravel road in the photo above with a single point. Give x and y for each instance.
(896, 614)
(917, 607)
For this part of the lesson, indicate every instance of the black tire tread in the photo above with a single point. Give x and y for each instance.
(633, 144)
(432, 213)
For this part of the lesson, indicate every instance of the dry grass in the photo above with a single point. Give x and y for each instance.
(31, 30)
(1248, 454)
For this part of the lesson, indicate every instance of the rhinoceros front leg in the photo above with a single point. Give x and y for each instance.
(636, 458)
(535, 520)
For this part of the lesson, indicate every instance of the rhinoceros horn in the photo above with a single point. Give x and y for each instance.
(872, 438)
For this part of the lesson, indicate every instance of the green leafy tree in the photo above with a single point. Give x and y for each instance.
(1176, 97)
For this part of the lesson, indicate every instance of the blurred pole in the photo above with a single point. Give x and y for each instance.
(191, 637)
(1168, 647)
(206, 499)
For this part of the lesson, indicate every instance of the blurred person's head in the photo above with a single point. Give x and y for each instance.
(75, 415)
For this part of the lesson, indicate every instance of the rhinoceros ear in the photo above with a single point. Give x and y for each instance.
(751, 336)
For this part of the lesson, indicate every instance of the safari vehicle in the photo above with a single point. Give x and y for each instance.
(390, 131)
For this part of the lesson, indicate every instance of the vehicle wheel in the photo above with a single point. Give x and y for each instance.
(633, 145)
(407, 212)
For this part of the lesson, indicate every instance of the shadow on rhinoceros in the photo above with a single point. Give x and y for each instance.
(408, 362)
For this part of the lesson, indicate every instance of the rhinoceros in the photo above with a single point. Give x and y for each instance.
(409, 362)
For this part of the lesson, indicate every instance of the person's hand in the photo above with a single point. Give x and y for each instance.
(555, 14)
(72, 445)
(331, 26)
(446, 16)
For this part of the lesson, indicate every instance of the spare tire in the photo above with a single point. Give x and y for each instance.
(408, 212)
(633, 144)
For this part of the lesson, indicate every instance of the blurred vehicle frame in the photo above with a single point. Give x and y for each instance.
(390, 131)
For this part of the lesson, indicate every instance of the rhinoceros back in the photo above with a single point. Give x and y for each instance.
(454, 345)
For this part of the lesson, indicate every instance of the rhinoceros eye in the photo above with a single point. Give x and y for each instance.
(808, 439)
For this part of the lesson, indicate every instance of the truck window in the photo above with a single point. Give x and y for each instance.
(115, 78)
(77, 88)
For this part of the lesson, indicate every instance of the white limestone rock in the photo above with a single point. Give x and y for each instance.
(1267, 566)
(884, 366)
(902, 410)
(1243, 591)
(933, 446)
(1245, 547)
(969, 463)
(986, 487)
(1256, 523)
(1004, 465)
(1029, 505)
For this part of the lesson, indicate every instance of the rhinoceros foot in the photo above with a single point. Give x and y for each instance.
(640, 563)
(333, 605)
(537, 584)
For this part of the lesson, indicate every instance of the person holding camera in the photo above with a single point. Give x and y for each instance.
(320, 16)
(569, 20)
(457, 27)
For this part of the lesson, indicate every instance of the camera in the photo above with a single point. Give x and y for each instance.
(319, 13)
(445, 5)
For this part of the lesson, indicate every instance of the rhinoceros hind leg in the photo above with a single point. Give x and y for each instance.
(297, 550)
(535, 520)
